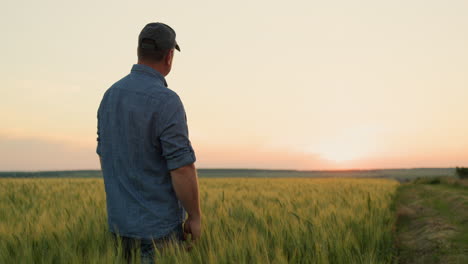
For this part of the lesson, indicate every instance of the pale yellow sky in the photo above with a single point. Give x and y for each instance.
(266, 84)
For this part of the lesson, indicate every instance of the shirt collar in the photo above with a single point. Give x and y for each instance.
(150, 71)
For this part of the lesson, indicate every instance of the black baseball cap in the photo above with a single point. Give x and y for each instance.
(161, 34)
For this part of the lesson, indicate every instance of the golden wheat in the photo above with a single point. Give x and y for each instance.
(246, 220)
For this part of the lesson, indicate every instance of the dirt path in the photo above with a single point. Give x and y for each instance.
(432, 225)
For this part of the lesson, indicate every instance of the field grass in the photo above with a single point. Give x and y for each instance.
(433, 221)
(246, 220)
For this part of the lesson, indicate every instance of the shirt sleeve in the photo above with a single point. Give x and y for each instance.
(174, 137)
(98, 138)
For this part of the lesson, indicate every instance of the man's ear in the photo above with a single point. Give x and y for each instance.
(169, 57)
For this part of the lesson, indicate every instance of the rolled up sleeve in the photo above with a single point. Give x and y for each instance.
(98, 138)
(174, 136)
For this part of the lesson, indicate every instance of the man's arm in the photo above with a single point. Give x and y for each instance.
(185, 183)
(180, 159)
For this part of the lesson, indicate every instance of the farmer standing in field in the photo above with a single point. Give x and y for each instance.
(146, 157)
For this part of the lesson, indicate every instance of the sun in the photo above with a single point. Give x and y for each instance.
(349, 145)
(342, 154)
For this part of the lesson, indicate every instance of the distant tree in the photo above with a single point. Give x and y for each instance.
(461, 172)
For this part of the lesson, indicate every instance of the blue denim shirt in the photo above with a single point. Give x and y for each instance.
(142, 135)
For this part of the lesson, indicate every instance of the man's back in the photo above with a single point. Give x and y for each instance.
(142, 135)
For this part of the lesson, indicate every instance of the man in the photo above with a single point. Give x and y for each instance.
(146, 157)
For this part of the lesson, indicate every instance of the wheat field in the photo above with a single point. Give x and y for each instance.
(245, 220)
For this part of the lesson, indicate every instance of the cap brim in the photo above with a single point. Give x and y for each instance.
(177, 47)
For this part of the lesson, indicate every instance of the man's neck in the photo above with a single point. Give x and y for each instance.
(155, 66)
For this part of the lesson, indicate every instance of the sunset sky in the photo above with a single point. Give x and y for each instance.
(266, 84)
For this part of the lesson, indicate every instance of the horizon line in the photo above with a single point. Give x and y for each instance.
(249, 169)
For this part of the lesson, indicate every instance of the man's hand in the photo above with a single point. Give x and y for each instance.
(192, 226)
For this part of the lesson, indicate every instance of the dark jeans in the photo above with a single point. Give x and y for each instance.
(147, 249)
